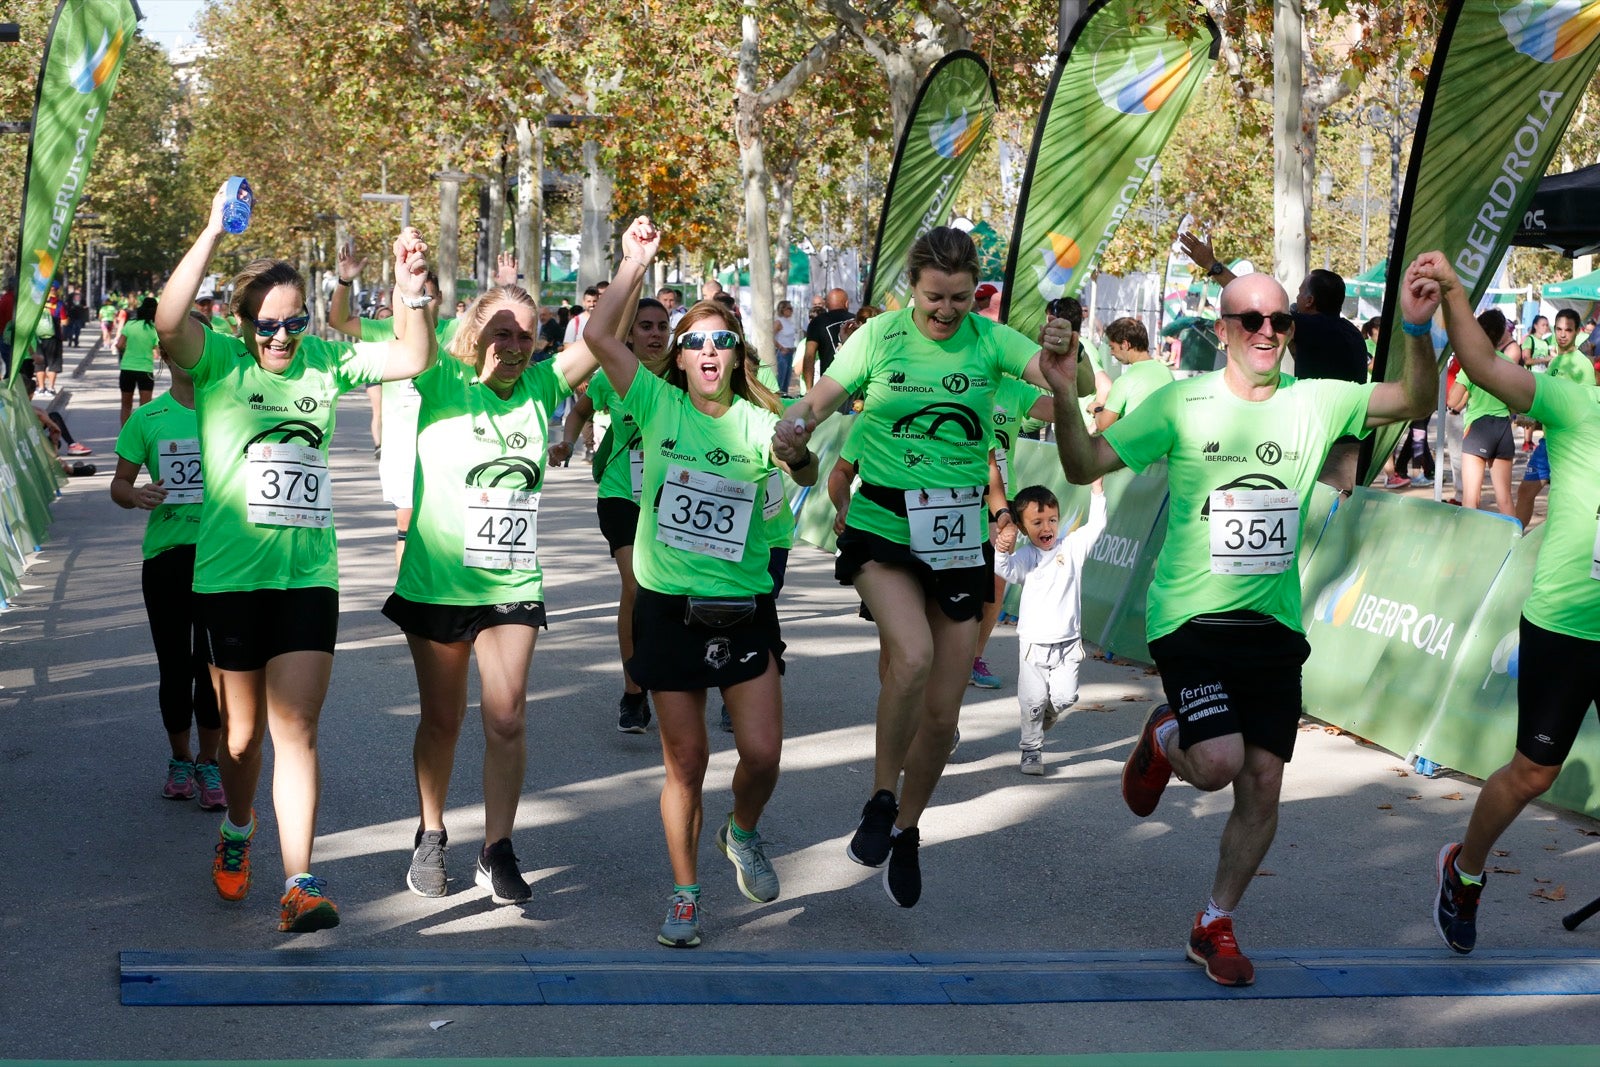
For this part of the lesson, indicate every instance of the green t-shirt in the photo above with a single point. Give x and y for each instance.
(1480, 402)
(1213, 440)
(1541, 347)
(473, 537)
(400, 401)
(1566, 592)
(929, 409)
(714, 503)
(1012, 399)
(164, 433)
(1136, 382)
(140, 352)
(1574, 366)
(622, 439)
(222, 325)
(290, 544)
(108, 312)
(780, 532)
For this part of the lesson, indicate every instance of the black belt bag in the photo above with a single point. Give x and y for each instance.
(719, 613)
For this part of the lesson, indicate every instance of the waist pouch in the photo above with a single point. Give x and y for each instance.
(890, 500)
(719, 613)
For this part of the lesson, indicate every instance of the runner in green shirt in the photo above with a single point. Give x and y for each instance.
(705, 616)
(1130, 346)
(619, 470)
(914, 544)
(165, 439)
(266, 558)
(1243, 447)
(108, 322)
(136, 348)
(1558, 677)
(471, 581)
(1572, 366)
(1487, 442)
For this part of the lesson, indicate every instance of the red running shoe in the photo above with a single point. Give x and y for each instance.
(1213, 947)
(1145, 775)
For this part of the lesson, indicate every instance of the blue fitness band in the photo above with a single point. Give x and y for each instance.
(1417, 329)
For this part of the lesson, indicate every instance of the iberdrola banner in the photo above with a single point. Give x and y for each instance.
(1118, 92)
(76, 78)
(1474, 168)
(954, 109)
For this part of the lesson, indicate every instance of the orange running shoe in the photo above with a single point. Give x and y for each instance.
(1146, 773)
(230, 871)
(1214, 947)
(306, 909)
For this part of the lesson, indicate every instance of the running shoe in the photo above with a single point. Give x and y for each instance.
(499, 874)
(982, 676)
(633, 718)
(212, 795)
(230, 871)
(681, 929)
(1214, 947)
(180, 780)
(757, 879)
(902, 879)
(1032, 762)
(1145, 775)
(1455, 905)
(1422, 481)
(427, 877)
(1051, 717)
(1396, 481)
(77, 448)
(304, 908)
(870, 845)
(955, 741)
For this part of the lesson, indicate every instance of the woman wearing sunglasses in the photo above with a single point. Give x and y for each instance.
(471, 581)
(705, 617)
(266, 563)
(619, 472)
(915, 543)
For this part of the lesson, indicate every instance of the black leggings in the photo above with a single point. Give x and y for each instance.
(169, 600)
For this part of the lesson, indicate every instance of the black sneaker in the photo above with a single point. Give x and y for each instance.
(633, 716)
(902, 879)
(1455, 905)
(426, 878)
(499, 874)
(870, 846)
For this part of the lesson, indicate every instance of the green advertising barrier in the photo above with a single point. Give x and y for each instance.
(1474, 726)
(1389, 596)
(1117, 572)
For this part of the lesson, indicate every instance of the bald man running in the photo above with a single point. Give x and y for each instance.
(1243, 447)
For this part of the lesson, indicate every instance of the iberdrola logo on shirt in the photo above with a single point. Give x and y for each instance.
(510, 472)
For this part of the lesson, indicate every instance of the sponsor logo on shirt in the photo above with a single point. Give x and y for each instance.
(669, 448)
(293, 431)
(517, 440)
(306, 404)
(914, 458)
(933, 418)
(897, 377)
(892, 336)
(1246, 481)
(717, 457)
(1213, 454)
(1269, 452)
(512, 472)
(956, 383)
(257, 398)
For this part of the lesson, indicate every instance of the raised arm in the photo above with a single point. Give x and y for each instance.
(183, 339)
(1083, 458)
(1199, 249)
(603, 334)
(1416, 393)
(341, 314)
(415, 344)
(1512, 384)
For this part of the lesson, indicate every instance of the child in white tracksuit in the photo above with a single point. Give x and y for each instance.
(1049, 568)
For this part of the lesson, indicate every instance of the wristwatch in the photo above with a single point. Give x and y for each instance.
(1215, 269)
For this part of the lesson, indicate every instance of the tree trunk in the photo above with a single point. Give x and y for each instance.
(449, 240)
(530, 203)
(783, 185)
(904, 81)
(497, 220)
(1291, 206)
(594, 252)
(753, 175)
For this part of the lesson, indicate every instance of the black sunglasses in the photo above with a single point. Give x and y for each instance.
(1281, 321)
(270, 327)
(694, 340)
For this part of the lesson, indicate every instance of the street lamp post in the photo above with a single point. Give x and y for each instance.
(1393, 120)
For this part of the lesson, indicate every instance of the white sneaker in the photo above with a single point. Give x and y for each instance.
(1032, 762)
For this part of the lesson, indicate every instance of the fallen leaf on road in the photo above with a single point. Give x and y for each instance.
(1151, 670)
(1385, 807)
(1588, 833)
(1266, 874)
(1401, 771)
(1503, 870)
(1542, 881)
(1332, 730)
(1451, 796)
(1552, 848)
(1414, 796)
(1558, 893)
(1502, 852)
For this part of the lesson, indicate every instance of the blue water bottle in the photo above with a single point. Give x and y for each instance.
(236, 211)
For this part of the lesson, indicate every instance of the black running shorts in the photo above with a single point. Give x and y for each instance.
(449, 624)
(678, 656)
(1558, 677)
(246, 629)
(960, 593)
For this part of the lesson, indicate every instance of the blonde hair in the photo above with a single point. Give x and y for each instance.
(747, 386)
(258, 278)
(464, 345)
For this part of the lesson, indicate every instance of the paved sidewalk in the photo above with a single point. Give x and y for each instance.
(96, 863)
